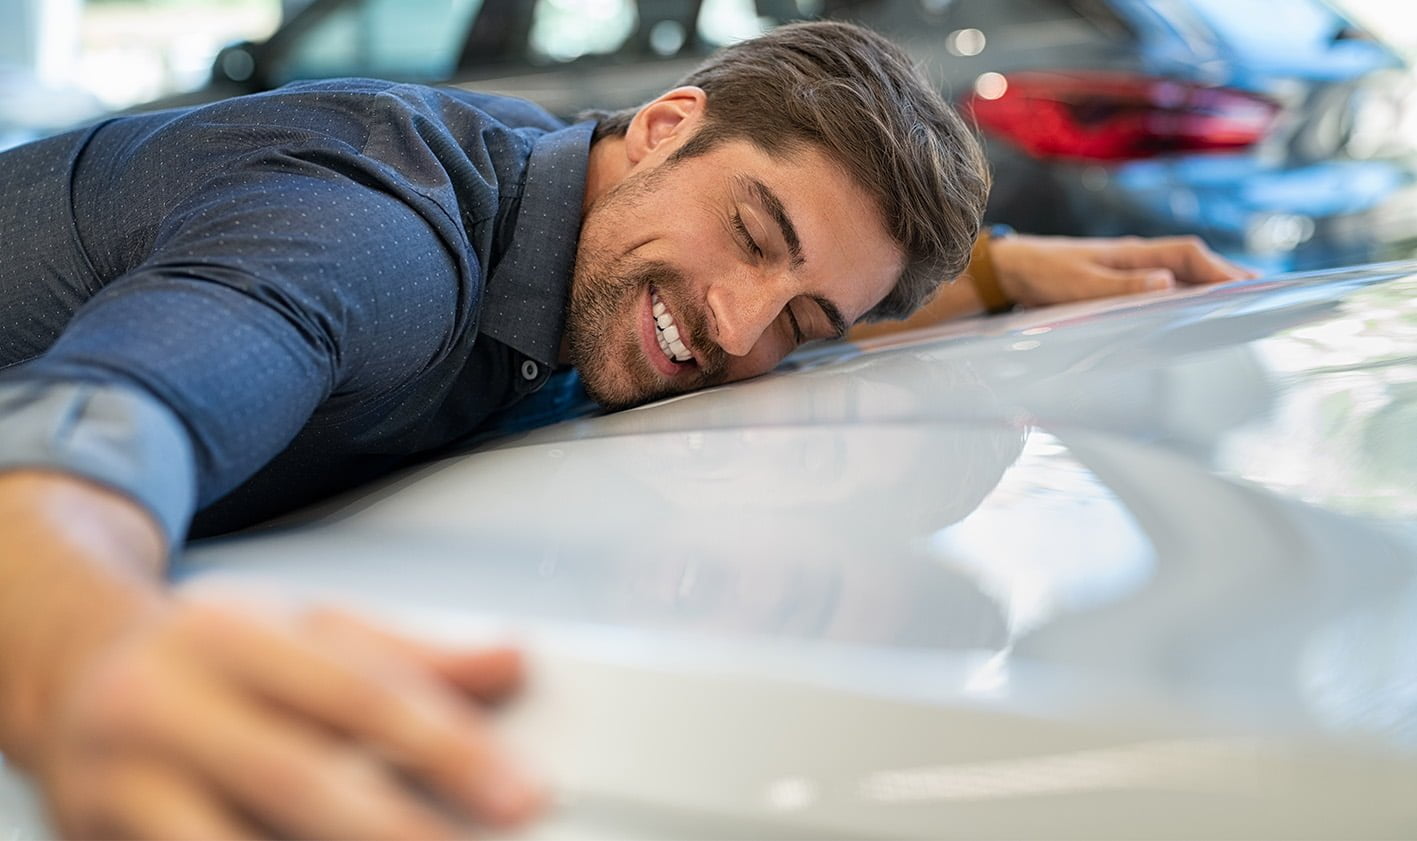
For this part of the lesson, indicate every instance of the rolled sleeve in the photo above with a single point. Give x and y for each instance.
(109, 434)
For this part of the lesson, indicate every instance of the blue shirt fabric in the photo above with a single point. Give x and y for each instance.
(244, 307)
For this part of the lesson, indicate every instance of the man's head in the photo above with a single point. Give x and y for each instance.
(795, 184)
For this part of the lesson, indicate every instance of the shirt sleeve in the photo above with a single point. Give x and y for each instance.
(272, 289)
(115, 436)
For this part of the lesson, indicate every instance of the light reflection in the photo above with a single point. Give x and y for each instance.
(991, 85)
(1082, 546)
(1347, 402)
(1184, 765)
(991, 677)
(1359, 672)
(791, 794)
(965, 42)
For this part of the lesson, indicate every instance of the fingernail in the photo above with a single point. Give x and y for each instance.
(1158, 281)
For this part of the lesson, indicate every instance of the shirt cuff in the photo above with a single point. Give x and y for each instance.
(116, 436)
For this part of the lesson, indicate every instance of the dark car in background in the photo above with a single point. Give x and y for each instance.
(31, 108)
(1275, 128)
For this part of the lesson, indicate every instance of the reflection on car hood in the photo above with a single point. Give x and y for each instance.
(1186, 516)
(1131, 569)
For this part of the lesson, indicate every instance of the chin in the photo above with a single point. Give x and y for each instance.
(602, 367)
(609, 298)
(609, 395)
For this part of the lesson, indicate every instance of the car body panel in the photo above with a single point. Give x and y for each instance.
(1141, 568)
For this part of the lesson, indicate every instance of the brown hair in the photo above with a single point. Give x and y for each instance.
(858, 97)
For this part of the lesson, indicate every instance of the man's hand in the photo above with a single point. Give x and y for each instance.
(212, 721)
(1037, 271)
(142, 715)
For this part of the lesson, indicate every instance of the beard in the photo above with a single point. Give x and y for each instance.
(603, 318)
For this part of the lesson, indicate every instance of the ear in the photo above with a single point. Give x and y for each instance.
(662, 125)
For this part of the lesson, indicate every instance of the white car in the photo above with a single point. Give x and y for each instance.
(1144, 568)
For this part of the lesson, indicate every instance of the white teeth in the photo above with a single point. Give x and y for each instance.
(667, 333)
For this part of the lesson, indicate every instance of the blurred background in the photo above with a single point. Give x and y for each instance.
(1283, 131)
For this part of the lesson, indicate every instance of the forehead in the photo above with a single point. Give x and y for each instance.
(850, 256)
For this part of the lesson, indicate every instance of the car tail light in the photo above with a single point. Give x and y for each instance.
(1112, 117)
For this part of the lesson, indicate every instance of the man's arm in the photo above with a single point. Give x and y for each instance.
(145, 717)
(80, 564)
(1037, 271)
(148, 714)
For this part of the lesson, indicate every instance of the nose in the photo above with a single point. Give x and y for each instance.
(743, 306)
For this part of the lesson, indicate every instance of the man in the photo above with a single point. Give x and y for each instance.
(243, 308)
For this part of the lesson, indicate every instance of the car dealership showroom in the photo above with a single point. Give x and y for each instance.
(708, 419)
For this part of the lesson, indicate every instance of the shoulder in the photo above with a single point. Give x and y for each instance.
(511, 111)
(508, 111)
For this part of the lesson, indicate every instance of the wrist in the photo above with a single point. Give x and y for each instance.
(79, 565)
(1010, 257)
(985, 275)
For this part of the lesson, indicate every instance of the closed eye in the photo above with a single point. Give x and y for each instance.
(797, 336)
(744, 237)
(828, 311)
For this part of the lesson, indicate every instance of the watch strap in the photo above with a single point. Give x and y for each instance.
(982, 274)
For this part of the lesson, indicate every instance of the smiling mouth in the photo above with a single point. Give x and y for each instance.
(666, 332)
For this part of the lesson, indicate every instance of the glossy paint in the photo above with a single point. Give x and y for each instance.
(1134, 569)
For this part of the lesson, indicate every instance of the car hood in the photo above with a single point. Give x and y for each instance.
(918, 582)
(1141, 568)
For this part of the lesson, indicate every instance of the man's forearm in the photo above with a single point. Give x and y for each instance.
(79, 563)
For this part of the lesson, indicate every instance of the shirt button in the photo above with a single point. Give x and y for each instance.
(529, 370)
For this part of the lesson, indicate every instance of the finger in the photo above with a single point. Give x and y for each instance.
(1201, 265)
(1188, 258)
(1103, 282)
(290, 777)
(387, 704)
(1144, 280)
(154, 800)
(489, 674)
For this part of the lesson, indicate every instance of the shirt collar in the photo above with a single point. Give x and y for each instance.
(524, 303)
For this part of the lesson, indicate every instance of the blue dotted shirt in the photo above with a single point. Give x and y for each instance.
(244, 307)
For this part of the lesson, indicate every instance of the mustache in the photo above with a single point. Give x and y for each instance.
(691, 321)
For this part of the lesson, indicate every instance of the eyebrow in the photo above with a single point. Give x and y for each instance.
(779, 215)
(769, 200)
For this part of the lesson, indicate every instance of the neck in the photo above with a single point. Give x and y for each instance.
(605, 168)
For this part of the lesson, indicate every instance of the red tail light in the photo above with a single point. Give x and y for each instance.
(1111, 117)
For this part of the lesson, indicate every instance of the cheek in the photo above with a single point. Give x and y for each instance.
(763, 358)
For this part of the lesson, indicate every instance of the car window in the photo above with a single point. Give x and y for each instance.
(723, 22)
(726, 21)
(1253, 23)
(565, 30)
(392, 39)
